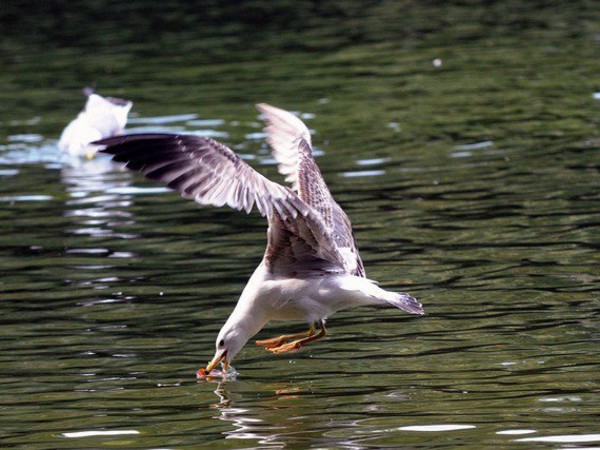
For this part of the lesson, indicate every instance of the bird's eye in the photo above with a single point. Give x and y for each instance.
(221, 342)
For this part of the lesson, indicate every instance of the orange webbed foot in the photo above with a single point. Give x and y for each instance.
(290, 347)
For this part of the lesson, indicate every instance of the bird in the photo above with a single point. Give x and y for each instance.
(101, 117)
(311, 267)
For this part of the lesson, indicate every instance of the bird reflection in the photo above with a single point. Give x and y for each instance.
(283, 416)
(98, 200)
(246, 424)
(98, 214)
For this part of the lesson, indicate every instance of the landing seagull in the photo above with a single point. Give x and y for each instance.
(101, 117)
(311, 267)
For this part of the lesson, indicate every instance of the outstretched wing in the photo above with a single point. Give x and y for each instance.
(313, 190)
(203, 170)
(284, 132)
(290, 141)
(212, 174)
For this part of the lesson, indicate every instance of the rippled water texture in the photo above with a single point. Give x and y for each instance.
(461, 140)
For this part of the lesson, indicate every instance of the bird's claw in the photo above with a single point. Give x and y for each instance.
(286, 348)
(271, 343)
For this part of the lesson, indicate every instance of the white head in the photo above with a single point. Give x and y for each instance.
(232, 337)
(247, 319)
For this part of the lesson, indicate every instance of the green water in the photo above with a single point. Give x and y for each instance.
(462, 140)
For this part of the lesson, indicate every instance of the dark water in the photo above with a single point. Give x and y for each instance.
(462, 141)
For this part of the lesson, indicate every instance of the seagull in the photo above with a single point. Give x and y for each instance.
(311, 267)
(101, 117)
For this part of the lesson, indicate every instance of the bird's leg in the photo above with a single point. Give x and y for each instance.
(280, 340)
(295, 345)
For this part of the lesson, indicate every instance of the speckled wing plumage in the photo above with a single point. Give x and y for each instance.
(212, 174)
(284, 131)
(291, 143)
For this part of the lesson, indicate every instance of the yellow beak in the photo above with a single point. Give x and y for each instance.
(216, 360)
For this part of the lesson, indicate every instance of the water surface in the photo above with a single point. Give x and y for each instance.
(463, 143)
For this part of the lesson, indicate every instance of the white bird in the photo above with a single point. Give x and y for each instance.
(101, 117)
(311, 267)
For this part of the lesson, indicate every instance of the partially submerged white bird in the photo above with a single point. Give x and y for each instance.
(311, 267)
(101, 117)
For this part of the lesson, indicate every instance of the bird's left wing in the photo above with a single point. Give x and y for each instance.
(203, 170)
(210, 173)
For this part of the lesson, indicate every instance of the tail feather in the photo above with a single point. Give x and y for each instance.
(405, 302)
(363, 291)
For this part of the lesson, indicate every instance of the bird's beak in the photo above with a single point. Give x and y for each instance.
(216, 360)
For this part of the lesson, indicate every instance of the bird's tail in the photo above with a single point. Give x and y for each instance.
(405, 302)
(366, 292)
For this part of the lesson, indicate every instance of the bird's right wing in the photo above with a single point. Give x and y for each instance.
(284, 132)
(290, 141)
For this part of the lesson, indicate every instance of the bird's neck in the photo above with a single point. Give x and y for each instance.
(246, 322)
(249, 314)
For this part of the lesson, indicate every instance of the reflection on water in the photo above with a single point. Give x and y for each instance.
(472, 183)
(181, 123)
(94, 209)
(243, 424)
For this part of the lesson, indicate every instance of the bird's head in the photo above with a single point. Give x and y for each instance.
(229, 342)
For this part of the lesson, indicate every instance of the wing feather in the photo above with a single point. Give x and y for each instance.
(284, 131)
(290, 141)
(211, 174)
(200, 168)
